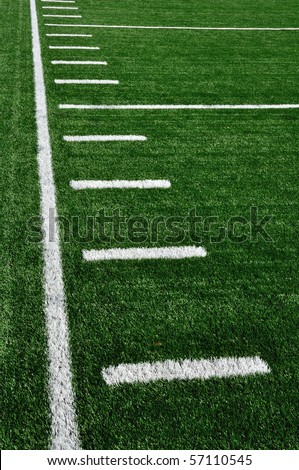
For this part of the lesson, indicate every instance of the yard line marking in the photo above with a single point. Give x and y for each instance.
(59, 1)
(60, 8)
(95, 48)
(86, 82)
(77, 62)
(120, 184)
(64, 426)
(187, 369)
(194, 28)
(168, 252)
(62, 16)
(178, 106)
(103, 138)
(70, 35)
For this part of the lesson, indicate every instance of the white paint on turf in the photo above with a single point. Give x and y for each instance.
(70, 35)
(86, 82)
(59, 1)
(60, 8)
(187, 369)
(194, 28)
(120, 184)
(64, 426)
(168, 252)
(62, 16)
(94, 48)
(77, 62)
(103, 138)
(178, 106)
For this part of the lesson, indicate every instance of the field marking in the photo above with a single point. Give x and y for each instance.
(120, 184)
(168, 252)
(77, 62)
(194, 28)
(85, 82)
(103, 138)
(187, 369)
(64, 425)
(94, 48)
(59, 1)
(62, 16)
(69, 35)
(178, 106)
(60, 8)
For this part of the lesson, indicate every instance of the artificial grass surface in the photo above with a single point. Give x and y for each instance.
(179, 67)
(257, 13)
(241, 299)
(25, 420)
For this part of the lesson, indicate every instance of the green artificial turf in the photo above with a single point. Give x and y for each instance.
(241, 300)
(25, 416)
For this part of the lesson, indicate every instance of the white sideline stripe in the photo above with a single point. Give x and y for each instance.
(120, 184)
(64, 426)
(77, 62)
(169, 252)
(187, 369)
(60, 8)
(194, 28)
(59, 1)
(62, 16)
(95, 48)
(178, 106)
(70, 35)
(86, 82)
(102, 138)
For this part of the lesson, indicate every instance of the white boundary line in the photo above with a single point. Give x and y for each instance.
(178, 106)
(168, 252)
(59, 1)
(187, 369)
(103, 138)
(85, 82)
(120, 184)
(194, 28)
(64, 426)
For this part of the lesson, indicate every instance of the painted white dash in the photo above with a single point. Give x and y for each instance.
(94, 48)
(120, 184)
(63, 417)
(77, 62)
(60, 8)
(187, 369)
(103, 138)
(69, 35)
(59, 1)
(62, 16)
(169, 252)
(86, 82)
(178, 106)
(194, 28)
